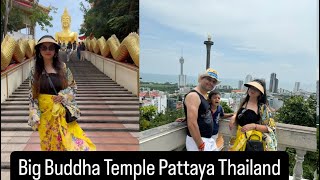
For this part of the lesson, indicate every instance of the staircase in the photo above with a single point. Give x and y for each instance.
(109, 115)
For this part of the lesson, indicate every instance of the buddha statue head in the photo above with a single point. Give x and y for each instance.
(65, 19)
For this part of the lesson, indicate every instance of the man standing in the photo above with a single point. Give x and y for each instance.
(198, 113)
(69, 48)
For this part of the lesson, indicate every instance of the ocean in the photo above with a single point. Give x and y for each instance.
(160, 78)
(163, 78)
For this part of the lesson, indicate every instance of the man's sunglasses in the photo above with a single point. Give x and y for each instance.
(50, 48)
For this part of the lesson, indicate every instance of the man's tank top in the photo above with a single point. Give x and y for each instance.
(204, 120)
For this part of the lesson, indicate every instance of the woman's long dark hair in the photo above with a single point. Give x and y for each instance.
(39, 68)
(262, 99)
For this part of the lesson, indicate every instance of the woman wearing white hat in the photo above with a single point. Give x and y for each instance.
(254, 120)
(52, 95)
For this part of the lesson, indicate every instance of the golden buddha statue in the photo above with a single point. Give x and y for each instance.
(66, 35)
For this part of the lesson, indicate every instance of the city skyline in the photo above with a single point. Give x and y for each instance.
(162, 78)
(243, 44)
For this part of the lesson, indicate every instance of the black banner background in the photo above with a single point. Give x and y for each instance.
(153, 157)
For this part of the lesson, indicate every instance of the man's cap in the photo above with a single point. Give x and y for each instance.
(211, 73)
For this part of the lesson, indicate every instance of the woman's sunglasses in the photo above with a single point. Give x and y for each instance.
(50, 48)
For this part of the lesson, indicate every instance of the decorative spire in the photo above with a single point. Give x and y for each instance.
(65, 13)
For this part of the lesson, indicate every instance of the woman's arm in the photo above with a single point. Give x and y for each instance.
(181, 119)
(227, 115)
(267, 122)
(232, 122)
(69, 94)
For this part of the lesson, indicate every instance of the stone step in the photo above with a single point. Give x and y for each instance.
(102, 87)
(85, 126)
(83, 92)
(27, 134)
(81, 103)
(83, 113)
(88, 85)
(87, 91)
(17, 107)
(82, 119)
(100, 147)
(5, 173)
(109, 115)
(81, 95)
(95, 139)
(85, 98)
(82, 82)
(80, 86)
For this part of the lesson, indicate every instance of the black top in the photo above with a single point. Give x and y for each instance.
(205, 121)
(69, 46)
(249, 116)
(45, 87)
(82, 47)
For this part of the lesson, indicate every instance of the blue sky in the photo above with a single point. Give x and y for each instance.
(73, 8)
(250, 37)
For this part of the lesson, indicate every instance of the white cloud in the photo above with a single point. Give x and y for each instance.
(151, 37)
(286, 66)
(269, 26)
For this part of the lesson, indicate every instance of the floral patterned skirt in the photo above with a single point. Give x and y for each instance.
(269, 142)
(55, 133)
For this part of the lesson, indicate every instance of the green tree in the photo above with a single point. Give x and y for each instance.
(298, 111)
(148, 112)
(43, 19)
(107, 17)
(226, 108)
(165, 87)
(150, 119)
(15, 18)
(144, 124)
(13, 21)
(169, 117)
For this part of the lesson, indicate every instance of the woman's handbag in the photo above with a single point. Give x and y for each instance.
(254, 141)
(69, 117)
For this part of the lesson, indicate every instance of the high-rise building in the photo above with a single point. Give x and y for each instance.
(296, 87)
(240, 84)
(248, 79)
(273, 75)
(275, 90)
(182, 78)
(273, 86)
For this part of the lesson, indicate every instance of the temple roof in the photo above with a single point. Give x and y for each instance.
(26, 5)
